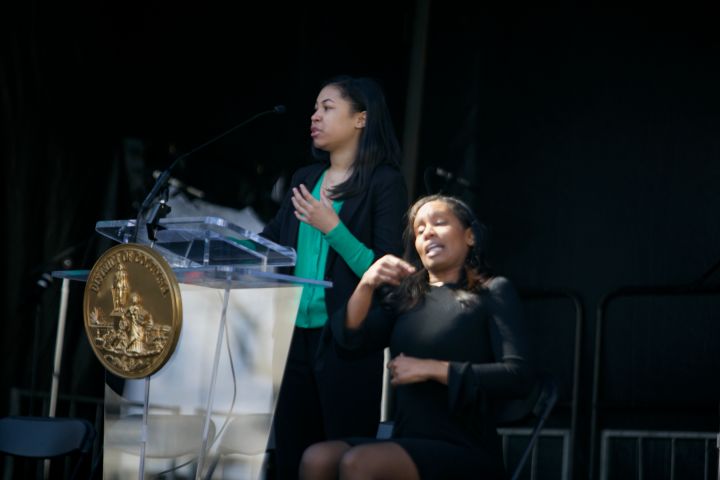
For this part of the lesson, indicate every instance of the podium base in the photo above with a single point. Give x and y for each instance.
(252, 354)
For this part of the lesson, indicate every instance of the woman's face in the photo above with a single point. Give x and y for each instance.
(334, 125)
(441, 240)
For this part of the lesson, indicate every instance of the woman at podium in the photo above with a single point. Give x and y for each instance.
(341, 214)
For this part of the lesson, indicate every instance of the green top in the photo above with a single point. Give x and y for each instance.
(312, 252)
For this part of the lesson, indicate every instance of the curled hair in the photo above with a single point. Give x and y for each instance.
(378, 143)
(475, 274)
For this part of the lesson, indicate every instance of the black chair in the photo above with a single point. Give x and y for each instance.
(536, 407)
(47, 438)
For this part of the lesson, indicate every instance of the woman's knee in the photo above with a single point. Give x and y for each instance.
(378, 460)
(321, 460)
(354, 462)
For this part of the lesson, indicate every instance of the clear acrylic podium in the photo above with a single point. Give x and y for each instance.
(207, 413)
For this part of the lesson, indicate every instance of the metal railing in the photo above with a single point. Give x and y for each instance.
(574, 298)
(707, 438)
(506, 433)
(696, 289)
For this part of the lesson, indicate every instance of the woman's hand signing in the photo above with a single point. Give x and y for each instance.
(405, 370)
(318, 213)
(388, 269)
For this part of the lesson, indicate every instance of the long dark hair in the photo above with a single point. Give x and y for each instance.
(378, 144)
(475, 274)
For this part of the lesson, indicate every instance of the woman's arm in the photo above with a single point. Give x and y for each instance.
(321, 215)
(351, 324)
(388, 270)
(388, 197)
(357, 256)
(511, 374)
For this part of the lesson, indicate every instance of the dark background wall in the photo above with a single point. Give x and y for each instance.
(588, 140)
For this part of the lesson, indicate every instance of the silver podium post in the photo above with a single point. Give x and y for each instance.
(59, 337)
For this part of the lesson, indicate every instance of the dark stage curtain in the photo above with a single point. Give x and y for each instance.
(60, 174)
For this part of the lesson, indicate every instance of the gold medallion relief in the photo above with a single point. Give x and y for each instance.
(132, 310)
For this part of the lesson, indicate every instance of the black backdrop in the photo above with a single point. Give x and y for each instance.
(589, 139)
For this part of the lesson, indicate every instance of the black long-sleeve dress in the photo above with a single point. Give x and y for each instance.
(449, 430)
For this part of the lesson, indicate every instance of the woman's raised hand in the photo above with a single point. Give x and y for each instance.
(388, 269)
(318, 213)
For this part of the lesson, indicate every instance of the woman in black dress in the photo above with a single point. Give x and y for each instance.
(458, 345)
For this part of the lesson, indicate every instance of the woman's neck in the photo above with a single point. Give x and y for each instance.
(342, 160)
(443, 277)
(334, 176)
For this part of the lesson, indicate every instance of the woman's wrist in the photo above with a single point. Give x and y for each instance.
(438, 370)
(367, 284)
(328, 227)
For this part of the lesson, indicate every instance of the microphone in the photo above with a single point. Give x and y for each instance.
(450, 177)
(180, 185)
(164, 177)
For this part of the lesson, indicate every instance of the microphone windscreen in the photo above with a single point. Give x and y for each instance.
(279, 109)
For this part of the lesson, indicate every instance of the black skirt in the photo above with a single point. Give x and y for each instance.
(436, 459)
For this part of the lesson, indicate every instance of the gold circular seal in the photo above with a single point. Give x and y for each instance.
(133, 310)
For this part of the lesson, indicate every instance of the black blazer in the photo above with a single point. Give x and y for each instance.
(375, 217)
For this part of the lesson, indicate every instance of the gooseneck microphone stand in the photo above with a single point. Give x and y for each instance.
(160, 189)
